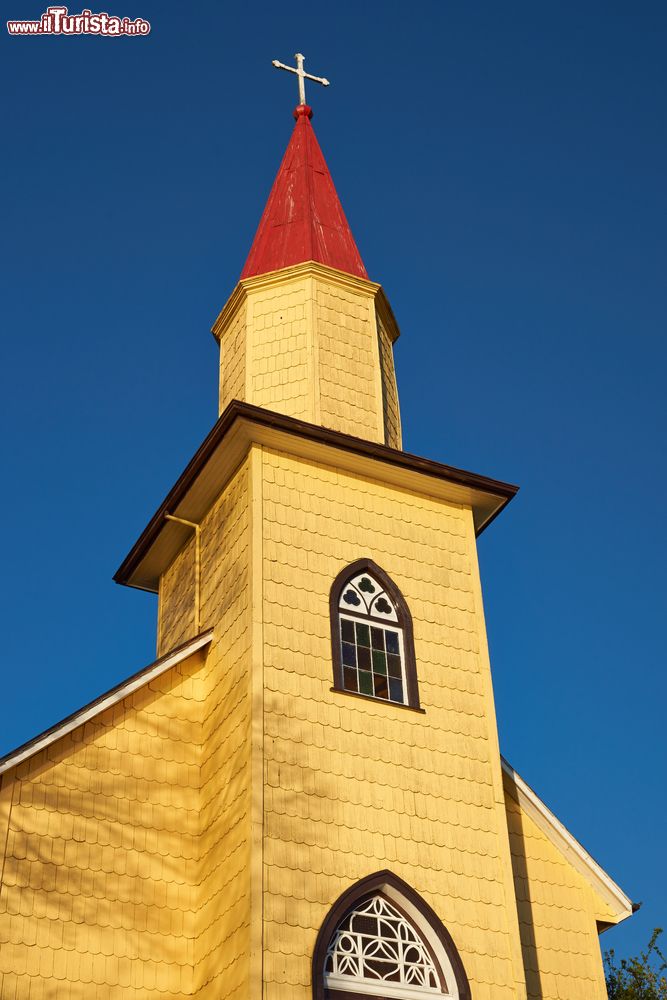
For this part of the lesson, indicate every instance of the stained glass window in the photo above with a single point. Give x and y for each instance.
(371, 636)
(375, 950)
(371, 641)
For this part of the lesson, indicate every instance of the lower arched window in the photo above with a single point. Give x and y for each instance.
(382, 940)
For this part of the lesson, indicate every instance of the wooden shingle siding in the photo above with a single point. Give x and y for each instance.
(233, 361)
(99, 888)
(177, 601)
(352, 785)
(304, 342)
(557, 916)
(223, 922)
(390, 406)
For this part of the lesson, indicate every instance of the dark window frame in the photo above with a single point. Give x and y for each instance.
(404, 622)
(358, 893)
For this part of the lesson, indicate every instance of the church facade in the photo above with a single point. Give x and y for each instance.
(303, 796)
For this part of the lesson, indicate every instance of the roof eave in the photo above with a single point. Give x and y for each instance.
(104, 701)
(621, 905)
(243, 424)
(288, 274)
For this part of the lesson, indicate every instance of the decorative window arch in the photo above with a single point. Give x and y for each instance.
(381, 939)
(371, 636)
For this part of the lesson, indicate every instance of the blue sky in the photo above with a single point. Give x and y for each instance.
(502, 167)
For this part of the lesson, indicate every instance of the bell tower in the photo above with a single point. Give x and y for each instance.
(360, 833)
(351, 772)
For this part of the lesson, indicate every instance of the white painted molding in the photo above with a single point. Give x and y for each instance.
(104, 702)
(563, 840)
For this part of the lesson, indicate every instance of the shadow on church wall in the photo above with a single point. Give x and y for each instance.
(102, 850)
(523, 898)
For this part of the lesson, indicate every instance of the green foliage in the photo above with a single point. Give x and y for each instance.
(640, 978)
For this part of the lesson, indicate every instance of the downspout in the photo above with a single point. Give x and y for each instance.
(197, 530)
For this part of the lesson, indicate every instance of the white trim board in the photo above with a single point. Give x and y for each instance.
(104, 702)
(563, 840)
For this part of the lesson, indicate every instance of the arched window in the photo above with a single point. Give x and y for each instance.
(382, 940)
(371, 636)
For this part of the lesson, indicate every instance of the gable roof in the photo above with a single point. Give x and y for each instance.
(568, 846)
(106, 700)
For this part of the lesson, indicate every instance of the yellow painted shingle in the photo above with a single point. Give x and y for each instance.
(557, 916)
(363, 791)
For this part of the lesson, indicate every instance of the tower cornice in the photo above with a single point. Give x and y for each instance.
(285, 275)
(241, 426)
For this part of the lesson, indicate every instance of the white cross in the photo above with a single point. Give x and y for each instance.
(302, 75)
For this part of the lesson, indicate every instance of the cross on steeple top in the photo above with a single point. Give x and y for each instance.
(302, 76)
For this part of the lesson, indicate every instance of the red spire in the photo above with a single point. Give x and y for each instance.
(303, 219)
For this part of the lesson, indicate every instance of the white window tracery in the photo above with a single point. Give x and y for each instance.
(364, 595)
(376, 951)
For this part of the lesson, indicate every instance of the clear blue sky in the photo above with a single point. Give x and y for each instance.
(503, 169)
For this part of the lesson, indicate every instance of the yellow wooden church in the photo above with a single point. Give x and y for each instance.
(303, 796)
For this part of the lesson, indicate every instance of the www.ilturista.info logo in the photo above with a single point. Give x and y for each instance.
(57, 21)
